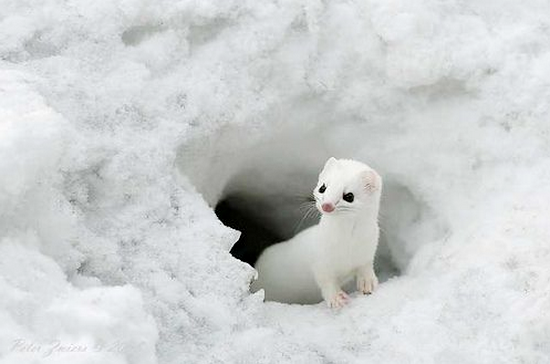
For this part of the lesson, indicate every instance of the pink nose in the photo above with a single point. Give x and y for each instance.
(327, 207)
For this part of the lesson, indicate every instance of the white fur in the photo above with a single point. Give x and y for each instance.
(315, 263)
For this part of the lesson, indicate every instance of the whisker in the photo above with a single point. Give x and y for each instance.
(312, 212)
(304, 217)
(303, 198)
(345, 208)
(306, 206)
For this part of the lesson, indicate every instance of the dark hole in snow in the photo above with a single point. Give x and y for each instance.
(255, 236)
(261, 189)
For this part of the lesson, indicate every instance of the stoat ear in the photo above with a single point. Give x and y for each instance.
(329, 163)
(371, 181)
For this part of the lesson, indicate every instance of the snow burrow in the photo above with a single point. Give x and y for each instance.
(262, 187)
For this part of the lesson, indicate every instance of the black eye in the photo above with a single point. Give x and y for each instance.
(348, 197)
(323, 188)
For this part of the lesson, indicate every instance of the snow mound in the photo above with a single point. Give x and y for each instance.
(123, 123)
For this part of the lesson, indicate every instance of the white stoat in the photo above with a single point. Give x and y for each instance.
(315, 264)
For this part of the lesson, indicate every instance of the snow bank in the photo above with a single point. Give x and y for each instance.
(124, 122)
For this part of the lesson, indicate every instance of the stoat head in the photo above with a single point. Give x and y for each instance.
(347, 186)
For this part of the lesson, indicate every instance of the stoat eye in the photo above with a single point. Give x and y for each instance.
(348, 197)
(323, 188)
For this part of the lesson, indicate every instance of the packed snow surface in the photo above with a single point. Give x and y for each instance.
(124, 122)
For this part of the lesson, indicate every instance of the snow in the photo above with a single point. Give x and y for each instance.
(123, 122)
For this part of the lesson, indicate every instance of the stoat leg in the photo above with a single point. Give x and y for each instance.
(332, 293)
(366, 279)
(339, 300)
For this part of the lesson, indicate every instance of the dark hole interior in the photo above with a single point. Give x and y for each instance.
(255, 235)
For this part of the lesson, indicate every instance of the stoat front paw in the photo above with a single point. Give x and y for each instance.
(339, 300)
(367, 283)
